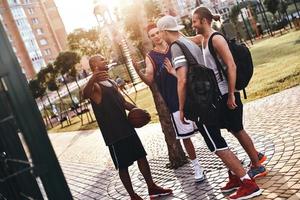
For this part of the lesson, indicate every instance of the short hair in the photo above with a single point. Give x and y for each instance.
(93, 59)
(150, 26)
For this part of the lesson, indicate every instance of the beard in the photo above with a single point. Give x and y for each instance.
(199, 30)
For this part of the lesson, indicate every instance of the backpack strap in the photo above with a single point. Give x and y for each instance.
(211, 48)
(219, 65)
(191, 60)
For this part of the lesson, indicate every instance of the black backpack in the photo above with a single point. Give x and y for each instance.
(202, 91)
(242, 58)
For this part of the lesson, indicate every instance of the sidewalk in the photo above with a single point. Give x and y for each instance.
(273, 122)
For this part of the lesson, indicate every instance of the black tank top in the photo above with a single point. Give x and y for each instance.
(111, 116)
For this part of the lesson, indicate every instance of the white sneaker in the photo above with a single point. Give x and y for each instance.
(199, 175)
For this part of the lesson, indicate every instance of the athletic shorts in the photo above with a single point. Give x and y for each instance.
(212, 137)
(183, 131)
(126, 151)
(230, 119)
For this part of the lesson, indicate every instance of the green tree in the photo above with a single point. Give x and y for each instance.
(152, 9)
(272, 6)
(88, 42)
(38, 91)
(64, 64)
(234, 14)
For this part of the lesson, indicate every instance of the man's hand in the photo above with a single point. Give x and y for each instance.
(182, 119)
(169, 67)
(99, 76)
(231, 101)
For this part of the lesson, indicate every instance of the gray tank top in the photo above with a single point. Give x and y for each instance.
(210, 62)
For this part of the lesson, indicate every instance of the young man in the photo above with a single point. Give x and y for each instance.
(122, 140)
(231, 104)
(169, 28)
(157, 71)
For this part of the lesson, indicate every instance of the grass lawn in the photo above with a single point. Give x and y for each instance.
(277, 67)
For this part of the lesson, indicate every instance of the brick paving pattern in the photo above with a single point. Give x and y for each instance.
(273, 122)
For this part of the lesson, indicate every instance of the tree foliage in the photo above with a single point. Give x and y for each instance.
(88, 42)
(283, 6)
(272, 6)
(152, 9)
(234, 13)
(66, 61)
(134, 25)
(36, 88)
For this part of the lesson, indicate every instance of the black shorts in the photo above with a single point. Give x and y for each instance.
(212, 137)
(232, 120)
(126, 151)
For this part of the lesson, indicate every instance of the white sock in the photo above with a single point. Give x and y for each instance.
(232, 172)
(195, 162)
(245, 177)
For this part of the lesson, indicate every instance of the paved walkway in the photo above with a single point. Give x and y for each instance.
(273, 122)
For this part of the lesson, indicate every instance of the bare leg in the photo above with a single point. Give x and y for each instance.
(189, 147)
(248, 145)
(145, 170)
(125, 178)
(232, 162)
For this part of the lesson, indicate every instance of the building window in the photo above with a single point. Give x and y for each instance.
(30, 11)
(43, 42)
(35, 20)
(47, 52)
(40, 31)
(27, 1)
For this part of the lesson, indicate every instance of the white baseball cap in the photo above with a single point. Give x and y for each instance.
(168, 23)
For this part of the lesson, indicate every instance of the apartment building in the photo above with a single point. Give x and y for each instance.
(35, 30)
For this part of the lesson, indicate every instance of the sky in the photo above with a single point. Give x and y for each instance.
(76, 14)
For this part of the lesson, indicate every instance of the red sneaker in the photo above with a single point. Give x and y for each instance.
(233, 183)
(157, 191)
(136, 197)
(261, 157)
(248, 190)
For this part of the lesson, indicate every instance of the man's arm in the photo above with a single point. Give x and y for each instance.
(181, 66)
(148, 75)
(222, 49)
(88, 89)
(181, 74)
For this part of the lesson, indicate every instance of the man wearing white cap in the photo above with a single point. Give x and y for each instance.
(212, 135)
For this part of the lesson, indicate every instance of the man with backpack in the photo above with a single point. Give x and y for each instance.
(186, 56)
(156, 70)
(232, 64)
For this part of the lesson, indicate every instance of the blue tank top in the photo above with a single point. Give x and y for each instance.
(167, 83)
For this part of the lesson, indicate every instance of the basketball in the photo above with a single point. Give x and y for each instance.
(138, 117)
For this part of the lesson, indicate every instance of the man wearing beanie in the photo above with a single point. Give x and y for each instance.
(119, 135)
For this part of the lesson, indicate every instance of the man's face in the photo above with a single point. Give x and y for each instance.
(155, 36)
(198, 24)
(99, 64)
(164, 36)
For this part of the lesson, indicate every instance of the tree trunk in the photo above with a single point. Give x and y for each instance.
(48, 120)
(176, 154)
(66, 84)
(63, 109)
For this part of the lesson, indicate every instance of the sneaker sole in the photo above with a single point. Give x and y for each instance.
(263, 159)
(159, 195)
(197, 180)
(255, 194)
(260, 175)
(229, 190)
